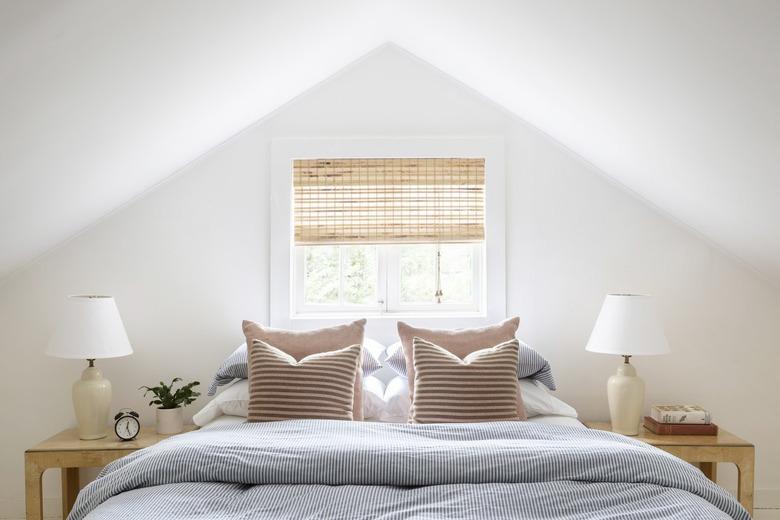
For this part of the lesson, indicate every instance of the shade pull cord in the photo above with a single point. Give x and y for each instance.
(439, 293)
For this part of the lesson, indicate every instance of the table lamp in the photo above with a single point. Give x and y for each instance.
(90, 328)
(627, 326)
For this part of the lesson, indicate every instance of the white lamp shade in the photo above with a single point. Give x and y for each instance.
(628, 325)
(90, 328)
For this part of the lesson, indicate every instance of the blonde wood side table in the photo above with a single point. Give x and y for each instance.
(69, 453)
(705, 451)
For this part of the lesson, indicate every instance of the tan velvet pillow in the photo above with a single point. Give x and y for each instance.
(460, 342)
(300, 344)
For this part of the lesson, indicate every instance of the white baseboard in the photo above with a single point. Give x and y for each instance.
(767, 499)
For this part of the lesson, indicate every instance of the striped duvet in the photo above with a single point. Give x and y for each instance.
(340, 469)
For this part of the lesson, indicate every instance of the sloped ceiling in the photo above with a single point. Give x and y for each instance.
(677, 101)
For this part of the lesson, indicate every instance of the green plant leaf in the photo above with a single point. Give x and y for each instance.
(167, 399)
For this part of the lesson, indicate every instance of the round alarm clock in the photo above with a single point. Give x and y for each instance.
(126, 424)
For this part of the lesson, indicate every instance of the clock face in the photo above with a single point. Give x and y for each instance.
(127, 428)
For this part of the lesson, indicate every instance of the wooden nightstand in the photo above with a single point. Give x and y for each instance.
(66, 451)
(705, 451)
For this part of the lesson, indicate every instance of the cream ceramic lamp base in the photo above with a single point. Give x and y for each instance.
(92, 401)
(626, 395)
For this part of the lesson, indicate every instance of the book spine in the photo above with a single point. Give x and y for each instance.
(680, 429)
(699, 417)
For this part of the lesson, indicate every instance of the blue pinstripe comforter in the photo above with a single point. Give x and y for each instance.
(336, 469)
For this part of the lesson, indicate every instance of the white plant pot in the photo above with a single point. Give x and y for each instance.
(170, 421)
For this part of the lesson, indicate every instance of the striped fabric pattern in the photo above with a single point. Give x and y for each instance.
(319, 386)
(532, 365)
(480, 387)
(541, 501)
(347, 469)
(236, 366)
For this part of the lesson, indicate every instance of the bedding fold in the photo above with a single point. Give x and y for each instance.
(382, 458)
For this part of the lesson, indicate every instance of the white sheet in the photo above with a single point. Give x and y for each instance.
(557, 420)
(225, 420)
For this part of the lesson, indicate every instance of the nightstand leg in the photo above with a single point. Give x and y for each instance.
(70, 489)
(710, 470)
(745, 465)
(33, 489)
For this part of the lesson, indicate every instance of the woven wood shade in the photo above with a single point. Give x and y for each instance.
(342, 201)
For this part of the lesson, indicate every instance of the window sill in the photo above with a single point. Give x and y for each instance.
(386, 315)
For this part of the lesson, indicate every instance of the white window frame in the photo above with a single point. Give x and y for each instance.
(282, 311)
(388, 288)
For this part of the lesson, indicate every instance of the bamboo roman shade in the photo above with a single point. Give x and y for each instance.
(340, 201)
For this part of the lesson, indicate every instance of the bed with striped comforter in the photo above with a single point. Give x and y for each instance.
(339, 469)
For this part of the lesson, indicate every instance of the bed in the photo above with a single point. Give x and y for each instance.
(544, 468)
(547, 467)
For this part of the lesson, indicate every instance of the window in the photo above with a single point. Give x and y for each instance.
(388, 235)
(388, 278)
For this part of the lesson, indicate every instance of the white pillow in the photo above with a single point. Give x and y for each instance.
(375, 348)
(396, 401)
(373, 397)
(224, 420)
(233, 400)
(394, 358)
(539, 401)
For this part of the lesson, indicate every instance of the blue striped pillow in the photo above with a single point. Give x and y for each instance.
(235, 366)
(532, 364)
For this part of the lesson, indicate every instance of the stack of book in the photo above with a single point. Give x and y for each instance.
(680, 419)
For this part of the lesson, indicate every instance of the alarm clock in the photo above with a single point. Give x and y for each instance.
(126, 424)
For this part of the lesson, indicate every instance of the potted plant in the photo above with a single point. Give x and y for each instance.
(170, 404)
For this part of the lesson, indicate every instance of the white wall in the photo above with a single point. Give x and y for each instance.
(189, 261)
